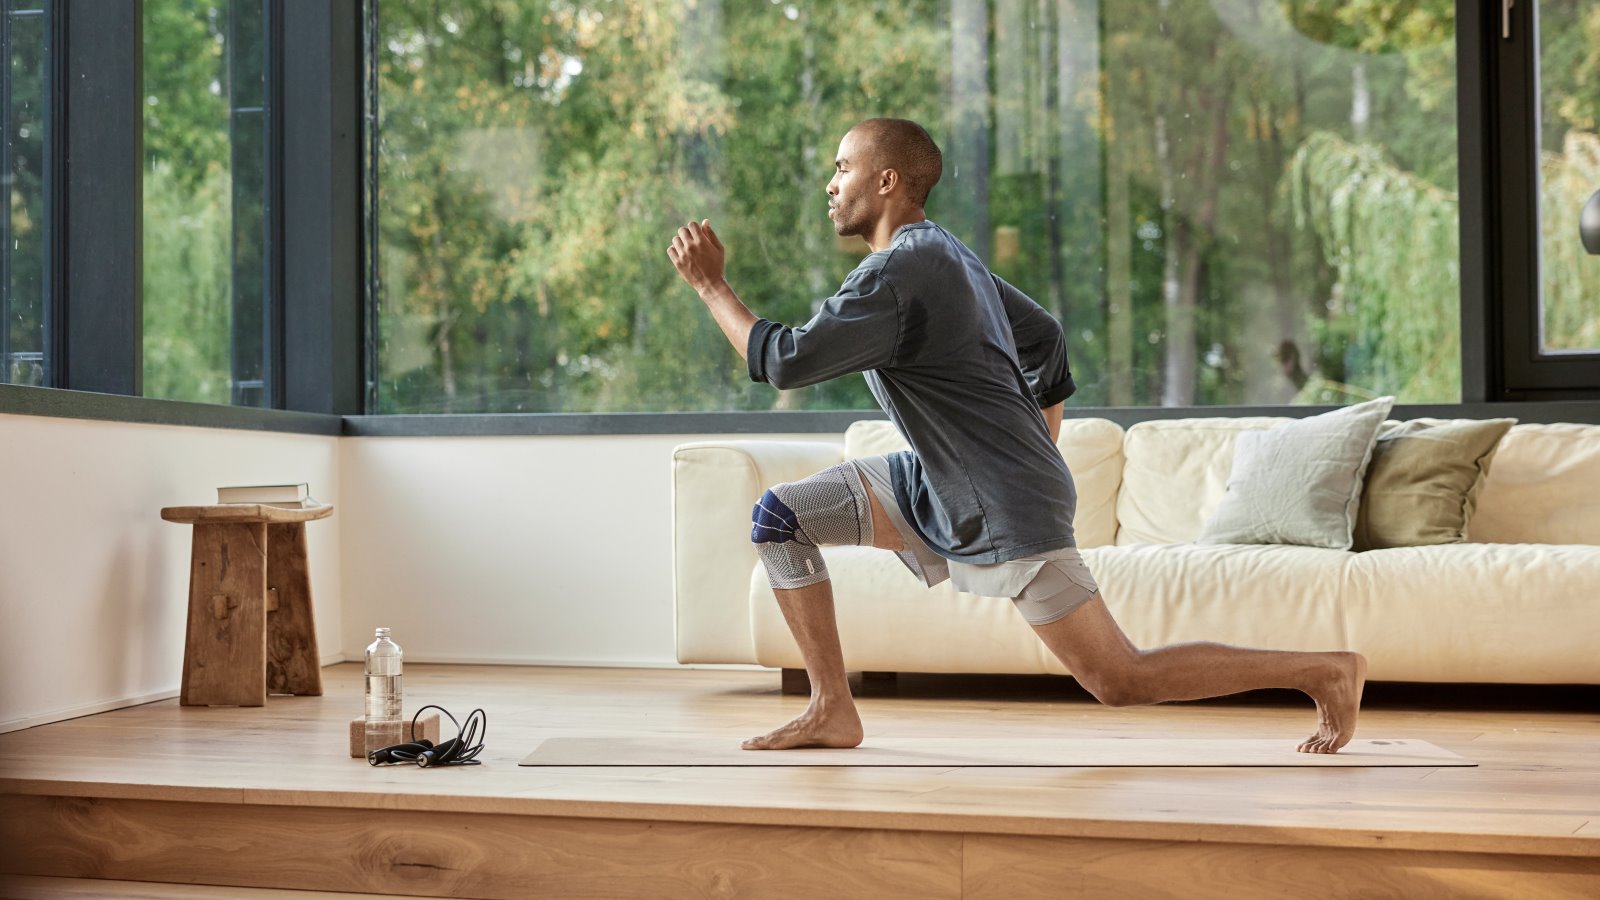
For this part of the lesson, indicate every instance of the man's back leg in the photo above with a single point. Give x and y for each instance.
(1094, 649)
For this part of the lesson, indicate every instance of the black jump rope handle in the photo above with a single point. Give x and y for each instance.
(458, 751)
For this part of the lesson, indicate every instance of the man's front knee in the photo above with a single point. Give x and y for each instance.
(773, 522)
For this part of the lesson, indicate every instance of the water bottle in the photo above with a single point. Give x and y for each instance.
(383, 693)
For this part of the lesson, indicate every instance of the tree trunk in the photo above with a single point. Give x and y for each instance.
(1360, 102)
(968, 173)
(1182, 293)
(447, 363)
(816, 158)
(1279, 248)
(1052, 158)
(1119, 286)
(1177, 381)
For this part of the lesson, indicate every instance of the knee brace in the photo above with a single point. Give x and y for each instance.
(793, 519)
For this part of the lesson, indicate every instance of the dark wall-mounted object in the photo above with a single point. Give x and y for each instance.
(1589, 224)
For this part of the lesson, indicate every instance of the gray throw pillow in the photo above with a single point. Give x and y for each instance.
(1300, 482)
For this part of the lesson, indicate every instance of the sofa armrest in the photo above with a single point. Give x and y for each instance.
(715, 484)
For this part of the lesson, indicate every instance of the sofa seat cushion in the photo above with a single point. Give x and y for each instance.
(1277, 596)
(1455, 612)
(1507, 613)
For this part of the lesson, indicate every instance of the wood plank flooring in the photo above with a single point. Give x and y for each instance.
(159, 777)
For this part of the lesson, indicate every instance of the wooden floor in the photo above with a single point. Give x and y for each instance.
(267, 798)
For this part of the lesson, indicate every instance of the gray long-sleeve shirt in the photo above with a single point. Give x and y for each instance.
(963, 363)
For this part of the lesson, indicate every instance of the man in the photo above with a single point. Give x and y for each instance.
(973, 373)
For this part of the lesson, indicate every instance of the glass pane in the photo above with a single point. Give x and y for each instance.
(1569, 170)
(203, 191)
(1224, 203)
(24, 223)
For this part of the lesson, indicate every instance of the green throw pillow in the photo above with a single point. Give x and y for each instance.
(1424, 481)
(1300, 482)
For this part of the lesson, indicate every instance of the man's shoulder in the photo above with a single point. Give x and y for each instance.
(913, 249)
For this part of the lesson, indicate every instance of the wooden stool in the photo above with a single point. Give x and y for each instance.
(251, 630)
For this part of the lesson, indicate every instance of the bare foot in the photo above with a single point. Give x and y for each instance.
(1338, 702)
(836, 726)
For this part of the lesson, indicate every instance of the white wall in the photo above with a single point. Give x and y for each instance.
(537, 550)
(94, 584)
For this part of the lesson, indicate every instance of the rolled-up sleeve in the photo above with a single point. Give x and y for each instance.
(856, 329)
(1041, 346)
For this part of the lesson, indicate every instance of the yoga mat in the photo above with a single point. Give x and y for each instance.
(958, 752)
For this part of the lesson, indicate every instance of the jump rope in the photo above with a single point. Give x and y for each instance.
(458, 751)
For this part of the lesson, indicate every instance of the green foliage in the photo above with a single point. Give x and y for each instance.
(537, 158)
(1569, 277)
(23, 125)
(537, 274)
(185, 88)
(1393, 239)
(188, 206)
(187, 288)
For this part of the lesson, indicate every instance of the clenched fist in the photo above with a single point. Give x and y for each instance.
(697, 254)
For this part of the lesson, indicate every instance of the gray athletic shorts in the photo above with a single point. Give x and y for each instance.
(1045, 586)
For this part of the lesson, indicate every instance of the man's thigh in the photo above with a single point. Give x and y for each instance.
(1088, 639)
(884, 535)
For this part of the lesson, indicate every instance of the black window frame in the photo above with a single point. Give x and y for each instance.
(321, 181)
(1513, 113)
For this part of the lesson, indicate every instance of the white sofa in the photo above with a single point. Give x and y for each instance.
(1520, 603)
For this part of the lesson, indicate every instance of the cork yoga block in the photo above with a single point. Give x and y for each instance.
(427, 727)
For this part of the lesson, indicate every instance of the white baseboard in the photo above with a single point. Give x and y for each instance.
(89, 709)
(453, 660)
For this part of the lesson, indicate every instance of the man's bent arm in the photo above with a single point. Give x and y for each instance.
(697, 253)
(731, 314)
(855, 330)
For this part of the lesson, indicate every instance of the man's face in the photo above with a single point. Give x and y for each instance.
(853, 201)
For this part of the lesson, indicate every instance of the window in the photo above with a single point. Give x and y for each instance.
(1223, 203)
(1281, 203)
(25, 154)
(1241, 202)
(1569, 173)
(207, 323)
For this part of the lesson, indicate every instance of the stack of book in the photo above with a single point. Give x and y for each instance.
(289, 496)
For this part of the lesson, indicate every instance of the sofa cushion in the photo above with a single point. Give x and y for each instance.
(1092, 449)
(1300, 482)
(1174, 474)
(1424, 481)
(1544, 488)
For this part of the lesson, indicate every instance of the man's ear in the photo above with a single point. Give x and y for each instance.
(887, 179)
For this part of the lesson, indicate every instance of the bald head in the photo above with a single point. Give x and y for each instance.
(906, 147)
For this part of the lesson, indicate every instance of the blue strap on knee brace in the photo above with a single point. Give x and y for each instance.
(774, 521)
